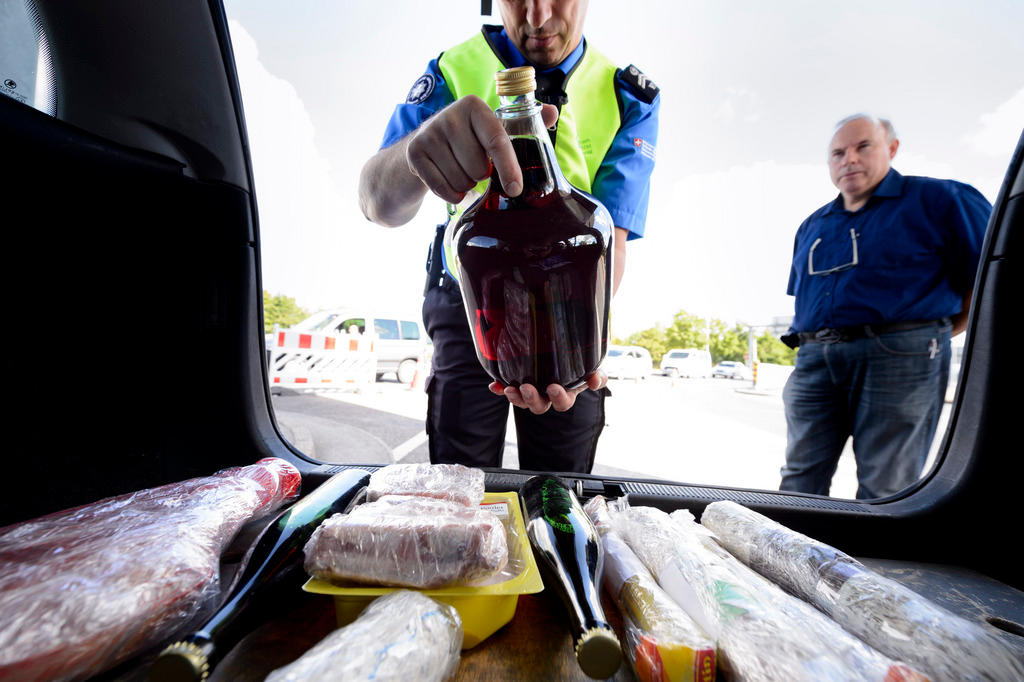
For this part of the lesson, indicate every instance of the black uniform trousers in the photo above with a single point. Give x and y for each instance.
(466, 422)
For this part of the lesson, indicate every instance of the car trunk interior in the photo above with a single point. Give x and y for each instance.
(151, 258)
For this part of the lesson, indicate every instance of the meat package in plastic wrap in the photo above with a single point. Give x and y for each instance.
(453, 482)
(761, 632)
(84, 589)
(663, 643)
(408, 541)
(883, 612)
(402, 635)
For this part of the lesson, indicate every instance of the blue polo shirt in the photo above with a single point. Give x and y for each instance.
(622, 183)
(916, 243)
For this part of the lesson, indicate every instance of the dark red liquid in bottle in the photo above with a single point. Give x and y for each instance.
(535, 272)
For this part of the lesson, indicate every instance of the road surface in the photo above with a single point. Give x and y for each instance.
(702, 431)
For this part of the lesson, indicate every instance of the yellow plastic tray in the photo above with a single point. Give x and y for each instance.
(483, 608)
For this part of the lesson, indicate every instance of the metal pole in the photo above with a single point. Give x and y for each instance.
(752, 353)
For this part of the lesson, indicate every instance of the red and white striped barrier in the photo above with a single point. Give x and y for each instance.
(419, 379)
(319, 360)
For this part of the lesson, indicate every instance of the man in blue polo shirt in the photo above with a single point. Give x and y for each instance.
(883, 278)
(442, 140)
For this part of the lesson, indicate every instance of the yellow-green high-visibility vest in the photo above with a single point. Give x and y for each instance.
(587, 123)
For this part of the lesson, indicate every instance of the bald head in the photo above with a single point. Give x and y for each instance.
(859, 157)
(890, 131)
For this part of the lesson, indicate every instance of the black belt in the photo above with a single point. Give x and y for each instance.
(437, 276)
(444, 281)
(449, 283)
(435, 269)
(863, 331)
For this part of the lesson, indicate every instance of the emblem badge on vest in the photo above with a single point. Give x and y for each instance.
(421, 89)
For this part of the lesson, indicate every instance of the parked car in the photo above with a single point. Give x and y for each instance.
(686, 362)
(729, 369)
(399, 340)
(627, 362)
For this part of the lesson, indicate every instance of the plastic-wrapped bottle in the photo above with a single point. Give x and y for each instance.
(535, 269)
(274, 563)
(570, 555)
(85, 589)
(401, 635)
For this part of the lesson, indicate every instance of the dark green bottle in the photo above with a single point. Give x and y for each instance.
(571, 558)
(274, 563)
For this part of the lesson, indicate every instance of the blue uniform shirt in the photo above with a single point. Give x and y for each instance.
(622, 183)
(916, 243)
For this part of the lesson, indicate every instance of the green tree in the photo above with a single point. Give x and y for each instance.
(282, 310)
(691, 331)
(770, 349)
(724, 342)
(687, 331)
(727, 343)
(652, 339)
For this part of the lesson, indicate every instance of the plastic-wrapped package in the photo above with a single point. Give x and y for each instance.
(883, 612)
(453, 482)
(408, 541)
(84, 589)
(762, 633)
(662, 642)
(400, 636)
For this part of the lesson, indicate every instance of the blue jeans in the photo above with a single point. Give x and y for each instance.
(886, 391)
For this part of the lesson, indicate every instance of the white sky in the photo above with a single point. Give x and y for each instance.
(750, 91)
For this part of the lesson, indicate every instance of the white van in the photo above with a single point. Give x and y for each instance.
(686, 362)
(627, 362)
(399, 340)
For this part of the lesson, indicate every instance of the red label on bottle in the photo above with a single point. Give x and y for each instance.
(488, 326)
(705, 671)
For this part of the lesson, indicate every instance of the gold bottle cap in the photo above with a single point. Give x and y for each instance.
(179, 662)
(598, 653)
(518, 80)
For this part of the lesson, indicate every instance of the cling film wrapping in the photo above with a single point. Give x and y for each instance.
(402, 635)
(453, 482)
(409, 541)
(84, 589)
(761, 632)
(882, 612)
(663, 643)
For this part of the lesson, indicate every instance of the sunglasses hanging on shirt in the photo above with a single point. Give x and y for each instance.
(838, 268)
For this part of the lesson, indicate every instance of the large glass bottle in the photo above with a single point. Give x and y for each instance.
(535, 269)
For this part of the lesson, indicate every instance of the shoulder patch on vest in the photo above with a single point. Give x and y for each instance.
(421, 89)
(640, 85)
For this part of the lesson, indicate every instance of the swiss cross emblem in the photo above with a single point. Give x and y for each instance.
(637, 141)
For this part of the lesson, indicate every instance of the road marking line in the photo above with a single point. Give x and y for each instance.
(403, 449)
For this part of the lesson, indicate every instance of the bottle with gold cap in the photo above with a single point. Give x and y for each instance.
(571, 559)
(535, 269)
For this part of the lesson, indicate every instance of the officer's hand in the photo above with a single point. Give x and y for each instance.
(529, 398)
(453, 149)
